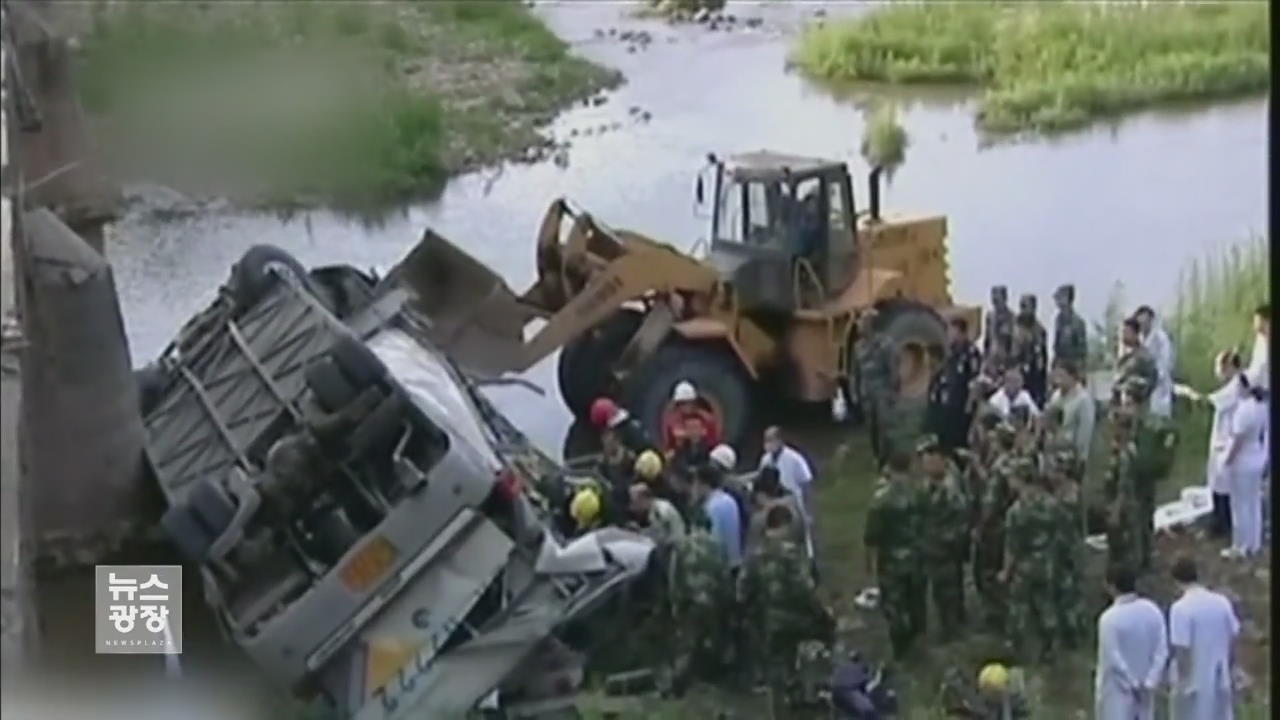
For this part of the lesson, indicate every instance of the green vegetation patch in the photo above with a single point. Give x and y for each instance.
(1052, 65)
(336, 102)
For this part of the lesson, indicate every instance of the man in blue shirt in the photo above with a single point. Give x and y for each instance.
(721, 512)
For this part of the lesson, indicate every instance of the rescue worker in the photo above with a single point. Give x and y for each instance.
(892, 536)
(997, 344)
(1134, 361)
(793, 469)
(877, 380)
(1031, 348)
(1148, 438)
(688, 421)
(721, 514)
(1070, 336)
(1029, 567)
(1158, 344)
(654, 516)
(989, 534)
(1068, 545)
(997, 694)
(1203, 628)
(617, 461)
(698, 593)
(776, 590)
(584, 509)
(950, 412)
(723, 459)
(607, 416)
(1120, 491)
(767, 492)
(946, 542)
(1132, 652)
(650, 470)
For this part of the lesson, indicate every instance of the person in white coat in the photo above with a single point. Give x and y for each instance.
(1259, 371)
(1245, 463)
(1132, 652)
(1202, 633)
(1157, 342)
(1224, 401)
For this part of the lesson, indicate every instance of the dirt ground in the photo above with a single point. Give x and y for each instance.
(1062, 690)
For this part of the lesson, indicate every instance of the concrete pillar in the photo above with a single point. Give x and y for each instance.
(84, 433)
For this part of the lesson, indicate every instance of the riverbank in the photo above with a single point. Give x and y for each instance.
(348, 104)
(1051, 66)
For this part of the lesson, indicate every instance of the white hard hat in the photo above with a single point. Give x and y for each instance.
(684, 392)
(724, 456)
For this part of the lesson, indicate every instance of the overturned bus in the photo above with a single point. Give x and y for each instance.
(366, 526)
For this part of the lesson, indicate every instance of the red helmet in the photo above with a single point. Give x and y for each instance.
(602, 411)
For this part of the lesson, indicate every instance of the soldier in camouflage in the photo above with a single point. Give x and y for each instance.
(699, 591)
(989, 534)
(1149, 440)
(946, 542)
(892, 536)
(877, 380)
(1120, 491)
(776, 590)
(1135, 360)
(1029, 567)
(1031, 349)
(1070, 338)
(1068, 547)
(997, 344)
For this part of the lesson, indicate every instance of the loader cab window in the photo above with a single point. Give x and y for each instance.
(750, 214)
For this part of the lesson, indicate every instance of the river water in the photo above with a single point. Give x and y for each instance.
(1130, 201)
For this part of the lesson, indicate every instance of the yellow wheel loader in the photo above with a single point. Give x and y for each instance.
(771, 301)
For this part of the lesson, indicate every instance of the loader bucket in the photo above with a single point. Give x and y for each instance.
(470, 312)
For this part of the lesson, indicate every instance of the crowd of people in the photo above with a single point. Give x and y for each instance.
(988, 502)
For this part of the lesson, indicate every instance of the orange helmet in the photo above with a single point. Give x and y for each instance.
(602, 411)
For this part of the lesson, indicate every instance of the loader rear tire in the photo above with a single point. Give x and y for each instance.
(585, 365)
(912, 328)
(716, 373)
(259, 269)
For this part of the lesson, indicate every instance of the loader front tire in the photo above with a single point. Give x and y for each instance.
(585, 365)
(912, 329)
(716, 373)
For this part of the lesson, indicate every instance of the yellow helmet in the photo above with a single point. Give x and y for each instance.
(648, 465)
(585, 507)
(994, 678)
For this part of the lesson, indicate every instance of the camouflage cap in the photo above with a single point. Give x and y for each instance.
(1066, 290)
(927, 443)
(1027, 300)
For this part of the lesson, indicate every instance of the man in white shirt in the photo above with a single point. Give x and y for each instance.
(1157, 342)
(1132, 652)
(793, 470)
(1011, 395)
(1202, 633)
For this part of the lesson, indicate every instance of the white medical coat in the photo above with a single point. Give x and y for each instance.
(1203, 622)
(1224, 400)
(1132, 656)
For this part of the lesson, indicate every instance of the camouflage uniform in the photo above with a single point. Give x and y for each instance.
(893, 532)
(699, 593)
(1031, 530)
(877, 386)
(997, 343)
(776, 590)
(1070, 339)
(946, 544)
(1069, 552)
(1032, 354)
(989, 553)
(1120, 490)
(1149, 467)
(1136, 362)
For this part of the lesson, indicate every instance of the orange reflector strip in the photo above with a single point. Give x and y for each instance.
(367, 566)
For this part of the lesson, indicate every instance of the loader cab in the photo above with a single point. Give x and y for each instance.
(782, 229)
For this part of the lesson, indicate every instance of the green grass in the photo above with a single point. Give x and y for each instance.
(1052, 65)
(336, 102)
(1214, 310)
